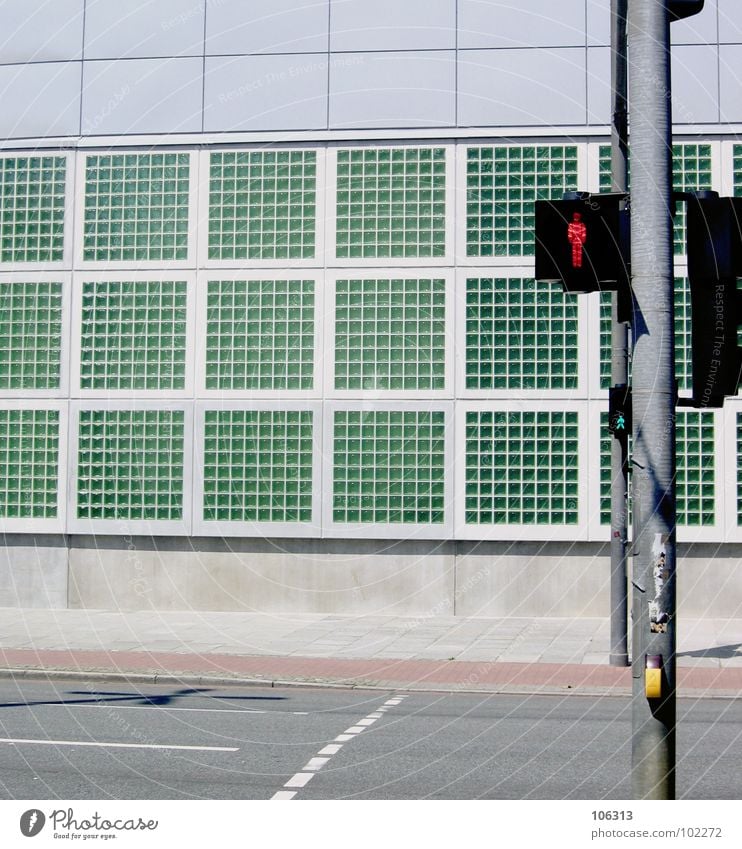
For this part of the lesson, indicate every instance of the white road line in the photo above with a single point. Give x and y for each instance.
(366, 722)
(375, 715)
(117, 745)
(356, 729)
(161, 708)
(343, 738)
(301, 779)
(331, 750)
(284, 794)
(316, 763)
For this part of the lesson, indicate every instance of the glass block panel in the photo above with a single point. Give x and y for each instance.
(136, 207)
(29, 464)
(30, 335)
(683, 337)
(389, 467)
(737, 168)
(258, 466)
(262, 204)
(691, 170)
(521, 468)
(130, 464)
(502, 186)
(390, 334)
(605, 472)
(32, 208)
(695, 481)
(133, 335)
(391, 202)
(520, 334)
(260, 334)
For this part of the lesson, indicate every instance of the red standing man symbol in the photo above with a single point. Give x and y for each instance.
(577, 236)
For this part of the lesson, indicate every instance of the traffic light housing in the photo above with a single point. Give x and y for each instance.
(620, 420)
(714, 248)
(582, 241)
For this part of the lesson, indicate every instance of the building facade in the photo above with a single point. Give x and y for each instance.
(269, 333)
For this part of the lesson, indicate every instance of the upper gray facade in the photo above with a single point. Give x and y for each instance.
(107, 68)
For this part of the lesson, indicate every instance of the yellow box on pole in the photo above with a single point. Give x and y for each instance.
(653, 683)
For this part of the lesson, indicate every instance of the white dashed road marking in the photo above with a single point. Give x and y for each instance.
(301, 779)
(116, 745)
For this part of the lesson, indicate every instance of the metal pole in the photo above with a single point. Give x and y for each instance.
(653, 388)
(619, 655)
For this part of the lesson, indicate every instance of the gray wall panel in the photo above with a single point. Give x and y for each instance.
(393, 90)
(40, 100)
(599, 98)
(49, 31)
(266, 93)
(598, 22)
(143, 28)
(509, 87)
(698, 29)
(266, 26)
(142, 96)
(695, 84)
(730, 22)
(359, 25)
(521, 23)
(730, 98)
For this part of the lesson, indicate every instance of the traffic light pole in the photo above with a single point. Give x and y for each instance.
(619, 351)
(653, 391)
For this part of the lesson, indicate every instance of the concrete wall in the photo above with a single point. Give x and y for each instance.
(33, 571)
(357, 577)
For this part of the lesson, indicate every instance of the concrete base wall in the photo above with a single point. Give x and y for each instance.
(420, 578)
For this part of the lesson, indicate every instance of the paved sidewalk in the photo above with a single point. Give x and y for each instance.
(449, 653)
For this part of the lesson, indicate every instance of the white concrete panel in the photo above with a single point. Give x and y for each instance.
(142, 96)
(33, 572)
(698, 29)
(48, 31)
(358, 25)
(40, 100)
(730, 22)
(522, 87)
(521, 23)
(730, 95)
(695, 84)
(393, 90)
(266, 93)
(143, 28)
(598, 22)
(266, 26)
(599, 97)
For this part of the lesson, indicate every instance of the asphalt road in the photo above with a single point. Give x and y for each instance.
(167, 742)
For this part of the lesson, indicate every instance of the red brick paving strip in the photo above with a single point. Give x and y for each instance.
(458, 675)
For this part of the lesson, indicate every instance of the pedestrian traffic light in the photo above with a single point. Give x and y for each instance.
(619, 411)
(714, 247)
(582, 241)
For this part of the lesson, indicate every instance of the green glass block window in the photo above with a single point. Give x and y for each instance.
(695, 481)
(260, 334)
(502, 186)
(521, 468)
(691, 171)
(30, 335)
(389, 466)
(263, 204)
(133, 335)
(32, 193)
(606, 440)
(391, 202)
(739, 469)
(390, 334)
(683, 337)
(520, 335)
(29, 464)
(737, 168)
(130, 464)
(258, 466)
(136, 207)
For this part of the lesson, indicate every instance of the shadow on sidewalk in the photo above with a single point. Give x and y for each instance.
(721, 652)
